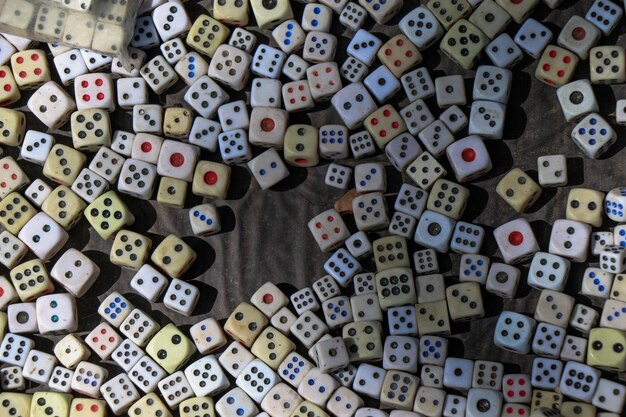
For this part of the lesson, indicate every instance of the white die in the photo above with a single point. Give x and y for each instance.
(370, 212)
(206, 377)
(268, 62)
(570, 239)
(171, 20)
(137, 178)
(146, 374)
(181, 297)
(268, 168)
(38, 367)
(256, 379)
(175, 389)
(177, 160)
(370, 177)
(148, 118)
(205, 220)
(552, 170)
(88, 378)
(469, 158)
(533, 37)
(266, 92)
(516, 240)
(159, 75)
(577, 100)
(132, 92)
(122, 143)
(56, 314)
(191, 67)
(37, 192)
(207, 335)
(119, 393)
(205, 96)
(22, 318)
(94, 91)
(89, 185)
(43, 236)
(127, 354)
(204, 133)
(51, 105)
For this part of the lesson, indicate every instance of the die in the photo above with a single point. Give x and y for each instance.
(10, 92)
(236, 402)
(583, 318)
(268, 169)
(50, 103)
(119, 393)
(613, 206)
(243, 39)
(353, 16)
(107, 164)
(399, 55)
(13, 250)
(30, 68)
(606, 65)
(172, 50)
(463, 43)
(56, 314)
(324, 80)
(211, 179)
(31, 280)
(458, 373)
(88, 378)
(516, 388)
(548, 271)
(191, 67)
(145, 35)
(465, 301)
(609, 396)
(417, 116)
(604, 15)
(103, 340)
(127, 354)
(137, 178)
(593, 135)
(487, 119)
(546, 373)
(454, 118)
(138, 327)
(333, 141)
(71, 350)
(146, 374)
(554, 307)
(533, 37)
(22, 318)
(503, 51)
(354, 104)
(267, 61)
(469, 158)
(175, 388)
(604, 349)
(579, 36)
(384, 124)
(294, 68)
(552, 170)
(518, 189)
(170, 348)
(297, 96)
(130, 249)
(492, 84)
(454, 405)
(11, 379)
(43, 403)
(612, 313)
(159, 74)
(617, 290)
(122, 143)
(490, 18)
(230, 66)
(421, 27)
(206, 34)
(370, 212)
(14, 349)
(94, 61)
(205, 96)
(36, 146)
(548, 340)
(480, 396)
(514, 332)
(556, 66)
(579, 381)
(570, 239)
(425, 170)
(361, 144)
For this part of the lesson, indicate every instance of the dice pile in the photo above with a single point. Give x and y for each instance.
(378, 342)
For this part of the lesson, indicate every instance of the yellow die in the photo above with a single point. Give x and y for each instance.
(408, 385)
(547, 399)
(30, 68)
(272, 347)
(448, 12)
(172, 192)
(71, 350)
(399, 54)
(519, 10)
(177, 122)
(384, 124)
(14, 404)
(130, 249)
(363, 340)
(463, 43)
(12, 126)
(432, 318)
(301, 146)
(206, 34)
(448, 198)
(88, 407)
(606, 64)
(149, 405)
(45, 404)
(556, 66)
(577, 409)
(31, 280)
(490, 18)
(173, 256)
(585, 205)
(390, 252)
(518, 189)
(395, 287)
(108, 214)
(170, 348)
(308, 409)
(15, 212)
(233, 12)
(91, 129)
(64, 206)
(268, 15)
(12, 178)
(245, 324)
(9, 93)
(211, 179)
(4, 321)
(63, 164)
(190, 407)
(606, 349)
(465, 301)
